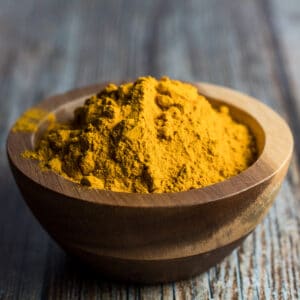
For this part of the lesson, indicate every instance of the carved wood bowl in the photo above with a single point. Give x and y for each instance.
(152, 238)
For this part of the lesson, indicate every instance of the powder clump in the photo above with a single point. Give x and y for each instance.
(147, 136)
(30, 120)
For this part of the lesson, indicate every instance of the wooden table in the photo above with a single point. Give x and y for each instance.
(47, 47)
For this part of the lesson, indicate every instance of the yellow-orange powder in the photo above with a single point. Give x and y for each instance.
(147, 136)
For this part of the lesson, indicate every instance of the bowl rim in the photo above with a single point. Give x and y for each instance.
(275, 155)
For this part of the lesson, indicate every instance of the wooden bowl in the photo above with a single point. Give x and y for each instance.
(153, 238)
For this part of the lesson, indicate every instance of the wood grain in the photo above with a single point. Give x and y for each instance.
(48, 47)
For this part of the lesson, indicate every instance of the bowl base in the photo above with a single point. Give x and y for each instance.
(153, 271)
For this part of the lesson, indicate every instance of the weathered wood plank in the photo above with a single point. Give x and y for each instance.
(284, 18)
(51, 46)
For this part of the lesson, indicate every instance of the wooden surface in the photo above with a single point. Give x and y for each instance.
(48, 47)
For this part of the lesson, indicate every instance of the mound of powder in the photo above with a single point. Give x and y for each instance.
(147, 136)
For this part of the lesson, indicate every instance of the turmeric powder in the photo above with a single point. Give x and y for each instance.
(147, 136)
(29, 120)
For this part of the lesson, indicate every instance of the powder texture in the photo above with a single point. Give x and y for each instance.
(147, 136)
(30, 120)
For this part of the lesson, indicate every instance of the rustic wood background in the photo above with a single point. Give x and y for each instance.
(47, 47)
